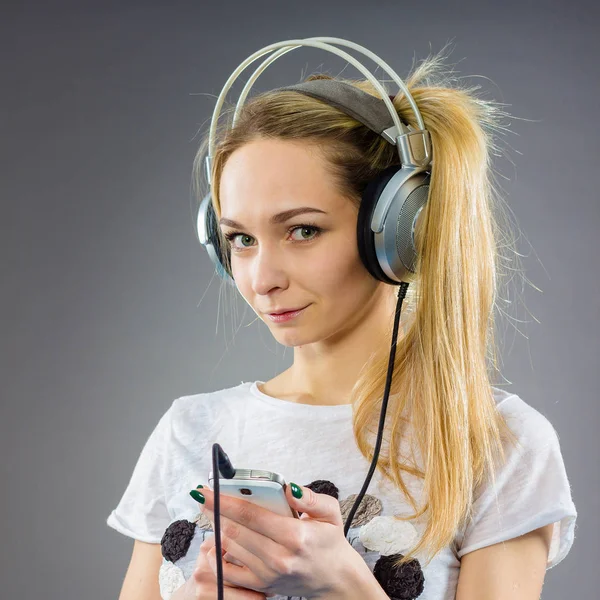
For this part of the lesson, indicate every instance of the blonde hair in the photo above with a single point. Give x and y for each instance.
(446, 357)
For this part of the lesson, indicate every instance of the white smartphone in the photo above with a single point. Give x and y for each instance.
(263, 488)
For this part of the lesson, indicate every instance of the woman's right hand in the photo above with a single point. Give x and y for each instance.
(202, 585)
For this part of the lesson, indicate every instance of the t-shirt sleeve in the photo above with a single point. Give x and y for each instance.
(142, 511)
(532, 489)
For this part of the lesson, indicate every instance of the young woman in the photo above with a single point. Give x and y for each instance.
(470, 499)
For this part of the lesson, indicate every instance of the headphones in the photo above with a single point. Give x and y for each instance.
(391, 203)
(388, 215)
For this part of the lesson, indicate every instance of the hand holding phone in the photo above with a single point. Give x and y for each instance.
(306, 555)
(263, 488)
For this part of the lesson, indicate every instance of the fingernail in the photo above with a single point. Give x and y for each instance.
(199, 486)
(197, 496)
(296, 490)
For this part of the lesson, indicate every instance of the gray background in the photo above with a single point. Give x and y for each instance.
(109, 310)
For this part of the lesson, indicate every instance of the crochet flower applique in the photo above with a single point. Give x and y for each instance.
(385, 535)
(174, 545)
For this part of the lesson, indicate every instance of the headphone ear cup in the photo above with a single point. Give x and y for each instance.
(208, 234)
(365, 236)
(390, 254)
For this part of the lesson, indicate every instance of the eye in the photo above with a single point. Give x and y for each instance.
(233, 234)
(307, 231)
(304, 228)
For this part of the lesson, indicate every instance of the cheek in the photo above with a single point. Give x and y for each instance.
(342, 275)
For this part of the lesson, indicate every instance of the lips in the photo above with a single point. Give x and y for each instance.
(284, 317)
(286, 310)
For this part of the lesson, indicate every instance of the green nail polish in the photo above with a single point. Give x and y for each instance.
(296, 490)
(199, 486)
(197, 496)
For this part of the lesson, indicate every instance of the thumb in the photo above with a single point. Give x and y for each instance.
(320, 507)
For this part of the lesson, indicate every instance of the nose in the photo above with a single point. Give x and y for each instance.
(268, 270)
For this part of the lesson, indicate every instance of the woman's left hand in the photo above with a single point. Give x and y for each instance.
(308, 557)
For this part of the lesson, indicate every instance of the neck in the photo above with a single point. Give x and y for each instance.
(325, 372)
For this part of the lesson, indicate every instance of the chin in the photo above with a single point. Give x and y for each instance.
(291, 339)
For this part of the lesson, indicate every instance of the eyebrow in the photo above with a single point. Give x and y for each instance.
(281, 217)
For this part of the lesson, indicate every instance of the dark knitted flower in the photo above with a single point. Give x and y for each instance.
(323, 486)
(399, 583)
(176, 540)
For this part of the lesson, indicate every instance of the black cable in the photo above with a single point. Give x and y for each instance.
(386, 393)
(222, 464)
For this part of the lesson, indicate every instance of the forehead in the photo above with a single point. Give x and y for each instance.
(265, 176)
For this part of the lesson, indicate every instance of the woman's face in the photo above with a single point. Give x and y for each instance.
(307, 260)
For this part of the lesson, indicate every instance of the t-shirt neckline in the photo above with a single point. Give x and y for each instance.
(297, 407)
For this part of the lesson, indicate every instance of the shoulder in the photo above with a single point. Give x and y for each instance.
(533, 457)
(192, 402)
(205, 409)
(531, 427)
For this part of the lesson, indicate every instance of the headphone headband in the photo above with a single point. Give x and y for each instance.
(371, 112)
(363, 107)
(319, 42)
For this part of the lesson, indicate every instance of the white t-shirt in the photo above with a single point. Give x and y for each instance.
(306, 443)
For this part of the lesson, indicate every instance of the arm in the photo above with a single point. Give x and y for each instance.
(141, 579)
(513, 569)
